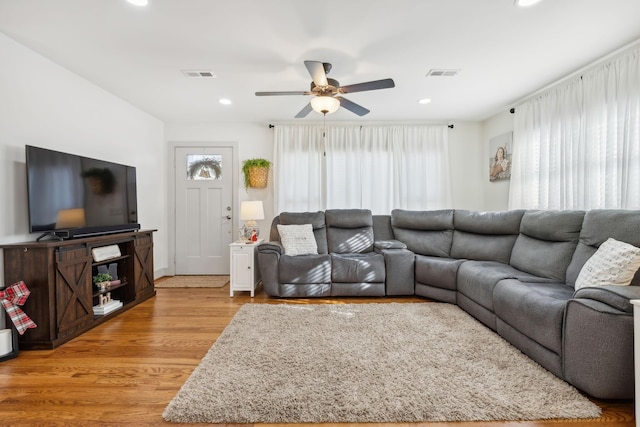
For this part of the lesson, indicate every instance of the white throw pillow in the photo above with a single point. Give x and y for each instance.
(298, 239)
(614, 263)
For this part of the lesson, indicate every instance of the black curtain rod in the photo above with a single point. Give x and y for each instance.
(449, 126)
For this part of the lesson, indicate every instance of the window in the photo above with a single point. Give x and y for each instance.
(372, 167)
(577, 146)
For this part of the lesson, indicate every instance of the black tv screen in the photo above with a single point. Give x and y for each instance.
(73, 196)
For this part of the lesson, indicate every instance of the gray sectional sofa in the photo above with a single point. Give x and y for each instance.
(514, 271)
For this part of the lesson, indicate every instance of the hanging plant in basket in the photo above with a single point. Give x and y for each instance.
(256, 173)
(205, 168)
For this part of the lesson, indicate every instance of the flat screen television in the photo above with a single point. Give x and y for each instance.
(73, 196)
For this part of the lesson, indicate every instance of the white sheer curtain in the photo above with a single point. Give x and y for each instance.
(373, 167)
(421, 168)
(298, 169)
(344, 167)
(612, 134)
(577, 146)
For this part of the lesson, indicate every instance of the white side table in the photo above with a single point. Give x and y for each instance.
(636, 352)
(245, 273)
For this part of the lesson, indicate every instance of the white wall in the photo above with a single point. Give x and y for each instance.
(495, 194)
(465, 152)
(45, 105)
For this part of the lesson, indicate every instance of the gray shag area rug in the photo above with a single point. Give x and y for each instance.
(387, 362)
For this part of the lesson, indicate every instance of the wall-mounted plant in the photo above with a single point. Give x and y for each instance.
(256, 173)
(207, 167)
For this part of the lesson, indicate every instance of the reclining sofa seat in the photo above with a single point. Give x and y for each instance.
(530, 308)
(485, 241)
(298, 276)
(355, 268)
(429, 234)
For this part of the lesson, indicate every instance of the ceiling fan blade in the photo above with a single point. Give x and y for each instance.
(352, 106)
(374, 85)
(316, 69)
(283, 93)
(303, 113)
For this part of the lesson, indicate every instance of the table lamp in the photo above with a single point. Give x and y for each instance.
(250, 212)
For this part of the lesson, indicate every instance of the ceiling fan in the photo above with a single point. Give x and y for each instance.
(327, 92)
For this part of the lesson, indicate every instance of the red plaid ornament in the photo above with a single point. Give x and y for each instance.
(12, 297)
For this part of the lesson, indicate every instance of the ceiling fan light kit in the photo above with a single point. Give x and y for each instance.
(326, 92)
(525, 3)
(325, 104)
(139, 2)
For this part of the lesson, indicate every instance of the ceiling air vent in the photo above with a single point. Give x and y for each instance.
(442, 73)
(199, 74)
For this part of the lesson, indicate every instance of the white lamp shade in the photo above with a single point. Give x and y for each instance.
(325, 104)
(252, 210)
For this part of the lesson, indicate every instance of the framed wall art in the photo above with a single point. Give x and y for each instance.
(500, 160)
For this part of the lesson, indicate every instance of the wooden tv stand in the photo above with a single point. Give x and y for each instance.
(59, 275)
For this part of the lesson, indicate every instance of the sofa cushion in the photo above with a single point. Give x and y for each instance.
(357, 268)
(305, 269)
(298, 239)
(349, 230)
(598, 226)
(546, 242)
(382, 227)
(534, 309)
(316, 219)
(614, 263)
(482, 247)
(485, 235)
(437, 271)
(491, 223)
(424, 232)
(476, 280)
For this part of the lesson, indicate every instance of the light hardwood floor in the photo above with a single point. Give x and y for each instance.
(125, 371)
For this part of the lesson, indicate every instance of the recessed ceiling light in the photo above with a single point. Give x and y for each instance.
(525, 3)
(424, 101)
(139, 2)
(224, 101)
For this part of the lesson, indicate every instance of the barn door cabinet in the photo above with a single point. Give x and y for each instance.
(59, 275)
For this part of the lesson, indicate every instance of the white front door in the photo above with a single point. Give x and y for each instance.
(203, 183)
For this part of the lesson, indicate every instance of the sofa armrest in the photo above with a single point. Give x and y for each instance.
(271, 247)
(389, 244)
(399, 266)
(268, 260)
(618, 297)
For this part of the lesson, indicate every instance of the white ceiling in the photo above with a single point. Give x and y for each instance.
(504, 53)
